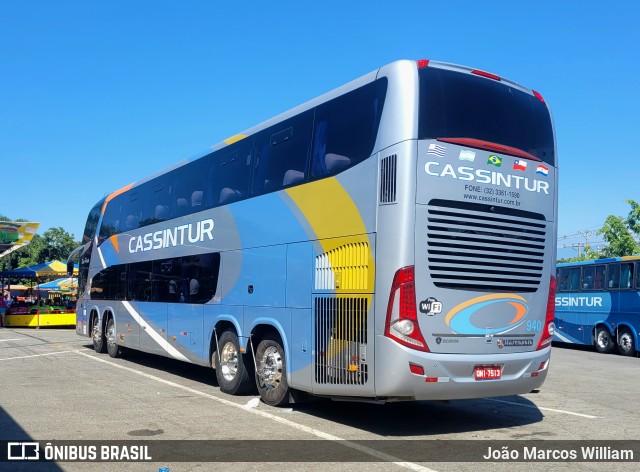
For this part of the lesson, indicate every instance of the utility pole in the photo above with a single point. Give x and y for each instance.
(586, 234)
(574, 246)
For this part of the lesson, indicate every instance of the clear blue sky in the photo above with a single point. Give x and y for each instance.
(95, 95)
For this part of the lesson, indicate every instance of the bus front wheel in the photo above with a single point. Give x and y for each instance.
(271, 374)
(231, 371)
(603, 340)
(626, 343)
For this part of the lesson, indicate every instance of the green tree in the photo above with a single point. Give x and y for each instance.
(633, 219)
(57, 244)
(618, 233)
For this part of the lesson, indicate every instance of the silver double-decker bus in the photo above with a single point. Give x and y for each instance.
(393, 239)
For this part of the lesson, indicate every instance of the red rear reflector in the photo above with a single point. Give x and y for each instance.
(549, 325)
(538, 96)
(422, 63)
(431, 379)
(485, 74)
(416, 369)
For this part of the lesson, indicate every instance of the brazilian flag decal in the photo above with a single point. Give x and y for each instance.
(494, 160)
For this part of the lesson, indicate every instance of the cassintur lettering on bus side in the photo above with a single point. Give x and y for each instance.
(171, 237)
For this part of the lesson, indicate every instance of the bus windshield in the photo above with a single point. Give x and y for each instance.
(455, 105)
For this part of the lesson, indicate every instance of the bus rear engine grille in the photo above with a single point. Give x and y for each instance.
(341, 340)
(484, 247)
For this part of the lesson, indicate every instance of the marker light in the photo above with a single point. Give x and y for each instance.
(538, 96)
(422, 63)
(485, 74)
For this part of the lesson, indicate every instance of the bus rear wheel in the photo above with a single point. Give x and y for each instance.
(99, 344)
(603, 340)
(271, 371)
(231, 371)
(112, 347)
(626, 343)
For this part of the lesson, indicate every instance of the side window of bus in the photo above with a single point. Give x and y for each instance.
(132, 210)
(281, 153)
(588, 277)
(346, 128)
(613, 276)
(563, 277)
(92, 222)
(637, 277)
(626, 275)
(229, 173)
(97, 286)
(574, 279)
(600, 278)
(105, 284)
(167, 280)
(111, 219)
(120, 279)
(200, 277)
(157, 202)
(187, 188)
(140, 278)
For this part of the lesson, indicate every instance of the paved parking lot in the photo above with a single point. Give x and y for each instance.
(54, 387)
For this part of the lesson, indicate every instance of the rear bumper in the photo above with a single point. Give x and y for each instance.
(451, 376)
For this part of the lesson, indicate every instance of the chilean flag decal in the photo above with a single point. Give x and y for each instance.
(519, 164)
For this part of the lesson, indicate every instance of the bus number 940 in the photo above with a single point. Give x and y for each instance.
(534, 325)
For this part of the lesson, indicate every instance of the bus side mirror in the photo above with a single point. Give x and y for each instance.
(69, 268)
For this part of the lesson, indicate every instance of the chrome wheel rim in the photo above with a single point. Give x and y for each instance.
(271, 368)
(603, 339)
(625, 342)
(229, 361)
(95, 333)
(111, 335)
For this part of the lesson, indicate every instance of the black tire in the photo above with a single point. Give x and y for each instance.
(271, 371)
(97, 334)
(603, 341)
(626, 342)
(110, 338)
(232, 371)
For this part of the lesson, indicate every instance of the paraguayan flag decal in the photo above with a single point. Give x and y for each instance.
(543, 170)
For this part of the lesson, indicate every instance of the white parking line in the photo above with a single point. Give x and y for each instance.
(582, 415)
(14, 339)
(300, 427)
(36, 355)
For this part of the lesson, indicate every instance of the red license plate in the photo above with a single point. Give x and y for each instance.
(487, 372)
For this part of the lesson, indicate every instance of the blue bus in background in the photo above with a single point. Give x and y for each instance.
(598, 303)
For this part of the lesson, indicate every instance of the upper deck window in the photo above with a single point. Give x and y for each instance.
(346, 129)
(92, 222)
(459, 105)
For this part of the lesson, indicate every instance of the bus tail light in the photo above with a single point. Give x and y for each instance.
(549, 325)
(402, 319)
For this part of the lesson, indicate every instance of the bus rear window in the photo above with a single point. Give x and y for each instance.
(458, 105)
